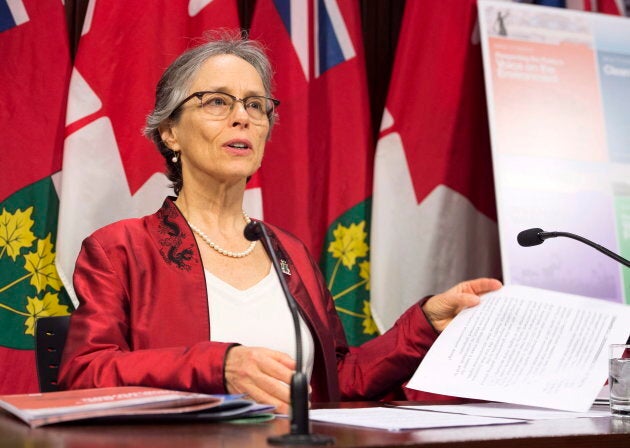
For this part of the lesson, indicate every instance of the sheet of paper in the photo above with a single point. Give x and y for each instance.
(506, 410)
(396, 419)
(526, 346)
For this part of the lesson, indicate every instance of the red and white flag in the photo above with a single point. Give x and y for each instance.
(433, 217)
(110, 170)
(316, 174)
(34, 75)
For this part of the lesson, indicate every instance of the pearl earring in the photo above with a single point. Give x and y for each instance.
(174, 159)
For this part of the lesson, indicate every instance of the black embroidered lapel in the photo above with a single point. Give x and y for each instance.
(174, 247)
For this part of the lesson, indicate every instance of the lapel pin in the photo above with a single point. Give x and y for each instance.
(285, 267)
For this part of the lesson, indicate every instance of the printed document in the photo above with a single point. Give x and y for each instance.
(395, 419)
(526, 346)
(507, 410)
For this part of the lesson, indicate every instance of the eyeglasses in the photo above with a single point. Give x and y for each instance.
(219, 105)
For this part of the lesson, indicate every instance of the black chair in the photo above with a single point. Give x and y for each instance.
(50, 338)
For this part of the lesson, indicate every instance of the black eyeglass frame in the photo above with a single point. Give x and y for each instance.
(199, 95)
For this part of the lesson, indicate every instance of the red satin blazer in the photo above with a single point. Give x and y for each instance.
(143, 318)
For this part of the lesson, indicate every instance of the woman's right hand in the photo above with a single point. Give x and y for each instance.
(442, 308)
(262, 374)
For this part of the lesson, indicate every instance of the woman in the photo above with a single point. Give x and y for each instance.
(181, 300)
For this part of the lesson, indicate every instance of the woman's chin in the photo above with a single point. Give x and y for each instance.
(237, 175)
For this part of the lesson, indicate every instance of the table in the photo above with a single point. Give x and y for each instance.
(573, 433)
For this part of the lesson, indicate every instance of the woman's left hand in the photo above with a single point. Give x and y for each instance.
(442, 308)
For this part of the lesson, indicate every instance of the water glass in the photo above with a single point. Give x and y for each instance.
(619, 380)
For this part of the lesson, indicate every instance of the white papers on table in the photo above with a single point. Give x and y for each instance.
(395, 419)
(506, 410)
(526, 346)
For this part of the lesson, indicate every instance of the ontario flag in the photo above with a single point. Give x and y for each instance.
(34, 76)
(110, 171)
(316, 174)
(434, 216)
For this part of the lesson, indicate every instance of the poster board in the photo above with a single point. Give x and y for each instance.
(558, 91)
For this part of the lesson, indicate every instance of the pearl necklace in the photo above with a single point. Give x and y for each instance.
(227, 253)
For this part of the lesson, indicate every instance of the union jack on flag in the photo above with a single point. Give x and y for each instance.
(12, 13)
(332, 43)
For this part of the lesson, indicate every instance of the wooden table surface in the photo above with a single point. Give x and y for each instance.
(574, 433)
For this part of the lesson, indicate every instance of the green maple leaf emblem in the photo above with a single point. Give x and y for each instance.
(30, 286)
(346, 266)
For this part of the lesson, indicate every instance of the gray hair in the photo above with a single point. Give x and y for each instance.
(173, 87)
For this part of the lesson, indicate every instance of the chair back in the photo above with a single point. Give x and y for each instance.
(50, 338)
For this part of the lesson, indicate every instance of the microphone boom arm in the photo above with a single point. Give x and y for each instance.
(602, 249)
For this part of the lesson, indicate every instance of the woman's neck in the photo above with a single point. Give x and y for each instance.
(219, 208)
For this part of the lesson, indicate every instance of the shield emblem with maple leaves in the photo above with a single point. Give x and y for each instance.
(345, 263)
(29, 284)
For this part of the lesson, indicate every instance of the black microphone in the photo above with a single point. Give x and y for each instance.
(300, 433)
(533, 237)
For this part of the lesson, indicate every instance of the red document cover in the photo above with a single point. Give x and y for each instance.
(54, 407)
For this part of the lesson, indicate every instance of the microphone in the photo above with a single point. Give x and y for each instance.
(536, 236)
(300, 430)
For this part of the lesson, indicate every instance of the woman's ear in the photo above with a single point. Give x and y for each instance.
(168, 135)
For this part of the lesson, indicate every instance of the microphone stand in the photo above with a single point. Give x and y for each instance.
(602, 249)
(535, 236)
(300, 429)
(532, 237)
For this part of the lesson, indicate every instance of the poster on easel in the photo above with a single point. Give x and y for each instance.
(558, 92)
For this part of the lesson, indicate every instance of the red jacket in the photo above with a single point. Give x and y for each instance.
(143, 318)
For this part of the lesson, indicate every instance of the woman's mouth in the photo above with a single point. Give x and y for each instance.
(239, 145)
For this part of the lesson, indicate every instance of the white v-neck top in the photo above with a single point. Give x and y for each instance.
(256, 317)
